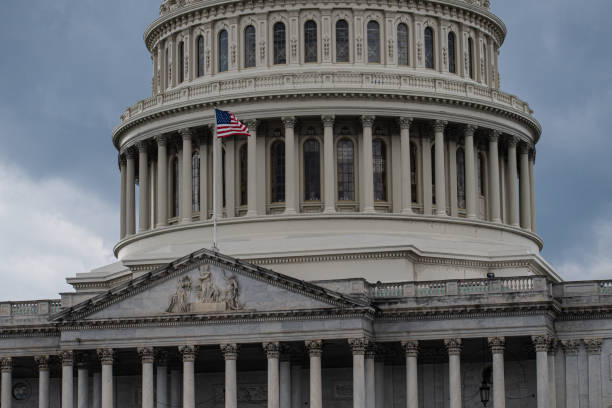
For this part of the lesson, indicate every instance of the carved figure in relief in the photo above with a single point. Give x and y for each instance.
(208, 292)
(179, 302)
(231, 294)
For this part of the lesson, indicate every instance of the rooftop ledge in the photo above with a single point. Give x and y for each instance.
(263, 84)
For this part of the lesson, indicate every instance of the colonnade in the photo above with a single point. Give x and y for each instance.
(282, 386)
(508, 181)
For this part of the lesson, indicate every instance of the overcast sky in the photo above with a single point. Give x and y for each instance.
(70, 67)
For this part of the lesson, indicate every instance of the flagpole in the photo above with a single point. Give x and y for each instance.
(215, 141)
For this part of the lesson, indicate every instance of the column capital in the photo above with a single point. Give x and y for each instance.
(82, 359)
(497, 344)
(186, 134)
(314, 347)
(67, 357)
(131, 153)
(106, 355)
(411, 348)
(230, 351)
(272, 349)
(405, 122)
(328, 120)
(453, 346)
(440, 125)
(372, 350)
(524, 148)
(251, 124)
(367, 120)
(512, 141)
(553, 346)
(147, 354)
(188, 352)
(289, 121)
(593, 346)
(122, 160)
(161, 357)
(570, 346)
(6, 364)
(42, 362)
(359, 345)
(470, 129)
(142, 146)
(162, 140)
(494, 135)
(541, 343)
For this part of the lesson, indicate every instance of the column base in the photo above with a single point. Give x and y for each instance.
(496, 220)
(251, 213)
(407, 211)
(472, 217)
(441, 214)
(161, 225)
(290, 211)
(329, 210)
(185, 220)
(369, 210)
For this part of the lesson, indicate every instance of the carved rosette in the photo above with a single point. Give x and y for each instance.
(367, 120)
(497, 344)
(359, 345)
(6, 364)
(328, 120)
(188, 352)
(106, 356)
(453, 346)
(272, 349)
(593, 346)
(541, 343)
(147, 355)
(42, 362)
(439, 126)
(314, 347)
(230, 351)
(67, 357)
(405, 122)
(570, 347)
(411, 348)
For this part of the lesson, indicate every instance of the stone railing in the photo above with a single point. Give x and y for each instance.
(338, 81)
(30, 308)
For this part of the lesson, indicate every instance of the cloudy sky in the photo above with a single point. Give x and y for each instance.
(70, 67)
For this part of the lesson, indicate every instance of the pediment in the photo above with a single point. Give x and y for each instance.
(207, 283)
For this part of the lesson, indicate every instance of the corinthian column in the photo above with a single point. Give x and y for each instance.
(470, 171)
(6, 386)
(593, 348)
(329, 172)
(273, 352)
(411, 348)
(143, 182)
(497, 345)
(146, 358)
(130, 192)
(252, 168)
(367, 176)
(525, 187)
(230, 353)
(82, 381)
(189, 354)
(541, 345)
(43, 381)
(106, 360)
(532, 184)
(67, 358)
(439, 127)
(162, 379)
(122, 165)
(315, 348)
(513, 193)
(572, 383)
(494, 176)
(290, 167)
(406, 168)
(454, 371)
(370, 376)
(358, 347)
(552, 384)
(186, 192)
(162, 181)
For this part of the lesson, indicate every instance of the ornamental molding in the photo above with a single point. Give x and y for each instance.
(146, 354)
(471, 311)
(188, 352)
(497, 344)
(411, 348)
(593, 346)
(359, 345)
(314, 347)
(6, 364)
(67, 357)
(42, 362)
(541, 343)
(453, 346)
(570, 347)
(272, 349)
(230, 351)
(106, 355)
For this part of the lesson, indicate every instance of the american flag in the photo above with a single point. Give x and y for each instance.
(228, 125)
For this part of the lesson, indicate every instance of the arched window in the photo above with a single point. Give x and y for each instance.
(452, 54)
(181, 62)
(250, 43)
(429, 48)
(200, 55)
(244, 162)
(433, 174)
(277, 171)
(346, 170)
(373, 41)
(223, 54)
(402, 44)
(280, 41)
(195, 182)
(471, 57)
(174, 200)
(481, 175)
(342, 41)
(413, 173)
(312, 170)
(460, 178)
(379, 152)
(310, 41)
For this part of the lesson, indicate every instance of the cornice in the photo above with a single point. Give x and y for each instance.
(29, 331)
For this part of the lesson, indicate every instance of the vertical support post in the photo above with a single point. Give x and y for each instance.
(593, 348)
(315, 349)
(187, 174)
(370, 376)
(189, 354)
(96, 397)
(498, 345)
(470, 171)
(512, 175)
(532, 185)
(454, 371)
(439, 127)
(162, 379)
(162, 181)
(285, 379)
(230, 353)
(525, 187)
(494, 176)
(358, 347)
(130, 192)
(411, 348)
(406, 165)
(82, 381)
(106, 360)
(290, 167)
(67, 358)
(43, 381)
(6, 386)
(122, 169)
(143, 182)
(146, 359)
(368, 165)
(175, 388)
(252, 168)
(541, 344)
(272, 350)
(572, 384)
(329, 170)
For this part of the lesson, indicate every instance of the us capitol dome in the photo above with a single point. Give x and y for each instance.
(377, 243)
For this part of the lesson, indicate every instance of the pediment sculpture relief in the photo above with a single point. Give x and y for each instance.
(206, 296)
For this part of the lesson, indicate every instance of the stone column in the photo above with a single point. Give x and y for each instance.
(494, 176)
(470, 171)
(6, 388)
(273, 352)
(315, 349)
(552, 386)
(82, 381)
(290, 167)
(143, 181)
(175, 388)
(497, 345)
(532, 184)
(439, 127)
(406, 172)
(329, 168)
(189, 355)
(370, 376)
(130, 192)
(379, 380)
(525, 187)
(367, 176)
(122, 224)
(541, 345)
(572, 384)
(411, 348)
(203, 178)
(162, 379)
(218, 146)
(285, 378)
(297, 399)
(252, 168)
(358, 347)
(106, 360)
(593, 348)
(512, 175)
(97, 390)
(186, 191)
(427, 182)
(162, 181)
(230, 353)
(454, 371)
(43, 381)
(67, 358)
(146, 359)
